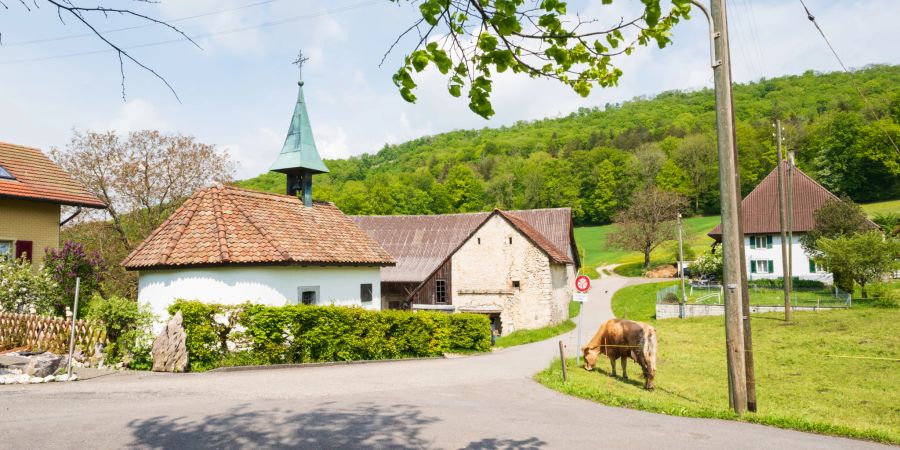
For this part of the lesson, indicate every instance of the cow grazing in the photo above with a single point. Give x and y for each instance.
(624, 339)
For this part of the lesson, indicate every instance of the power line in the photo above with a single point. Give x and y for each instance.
(135, 27)
(812, 19)
(199, 36)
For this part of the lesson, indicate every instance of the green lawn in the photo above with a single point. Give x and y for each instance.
(592, 241)
(813, 374)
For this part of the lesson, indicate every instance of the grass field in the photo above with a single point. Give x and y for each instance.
(539, 334)
(814, 374)
(592, 241)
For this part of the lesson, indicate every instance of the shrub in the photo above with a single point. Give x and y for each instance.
(21, 288)
(66, 264)
(885, 295)
(301, 333)
(778, 283)
(128, 328)
(671, 298)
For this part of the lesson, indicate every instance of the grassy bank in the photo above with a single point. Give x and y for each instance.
(539, 334)
(821, 373)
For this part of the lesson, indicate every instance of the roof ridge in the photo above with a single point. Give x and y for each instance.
(526, 229)
(265, 234)
(220, 225)
(179, 229)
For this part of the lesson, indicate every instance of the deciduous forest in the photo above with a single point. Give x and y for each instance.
(594, 159)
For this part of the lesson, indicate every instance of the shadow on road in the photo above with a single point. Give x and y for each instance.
(327, 426)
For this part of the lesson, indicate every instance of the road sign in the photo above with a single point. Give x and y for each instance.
(580, 297)
(583, 284)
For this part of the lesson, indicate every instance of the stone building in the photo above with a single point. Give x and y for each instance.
(230, 245)
(515, 266)
(32, 192)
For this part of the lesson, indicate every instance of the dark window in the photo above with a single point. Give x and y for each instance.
(516, 284)
(23, 249)
(479, 241)
(365, 293)
(5, 174)
(510, 241)
(6, 249)
(308, 297)
(440, 291)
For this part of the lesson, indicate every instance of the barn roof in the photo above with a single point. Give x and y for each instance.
(26, 173)
(421, 243)
(759, 209)
(225, 225)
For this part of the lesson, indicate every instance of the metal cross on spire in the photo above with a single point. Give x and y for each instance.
(299, 63)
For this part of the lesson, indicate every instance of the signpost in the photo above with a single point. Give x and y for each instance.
(582, 286)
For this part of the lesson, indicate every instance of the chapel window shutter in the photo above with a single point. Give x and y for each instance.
(752, 266)
(752, 242)
(24, 248)
(812, 266)
(768, 241)
(771, 267)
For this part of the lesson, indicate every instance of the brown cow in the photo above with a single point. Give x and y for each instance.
(624, 339)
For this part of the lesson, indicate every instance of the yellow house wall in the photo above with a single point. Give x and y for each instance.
(30, 221)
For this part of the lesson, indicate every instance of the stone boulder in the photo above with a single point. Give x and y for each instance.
(42, 365)
(170, 348)
(14, 362)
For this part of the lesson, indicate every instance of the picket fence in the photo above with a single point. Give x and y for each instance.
(51, 334)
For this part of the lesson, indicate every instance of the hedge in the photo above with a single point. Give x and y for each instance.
(221, 334)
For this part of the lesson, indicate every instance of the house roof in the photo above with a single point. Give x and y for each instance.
(759, 209)
(225, 225)
(36, 177)
(422, 243)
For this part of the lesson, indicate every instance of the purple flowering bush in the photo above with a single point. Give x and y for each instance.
(64, 265)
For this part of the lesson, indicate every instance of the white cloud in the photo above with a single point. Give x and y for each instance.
(135, 114)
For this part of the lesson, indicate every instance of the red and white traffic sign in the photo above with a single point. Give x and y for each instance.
(583, 283)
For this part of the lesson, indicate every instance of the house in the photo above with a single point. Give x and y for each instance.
(517, 267)
(32, 192)
(231, 245)
(762, 226)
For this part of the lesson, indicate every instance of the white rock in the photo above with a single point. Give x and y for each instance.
(49, 379)
(21, 379)
(36, 380)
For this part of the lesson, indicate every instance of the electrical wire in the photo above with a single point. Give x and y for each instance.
(812, 19)
(199, 36)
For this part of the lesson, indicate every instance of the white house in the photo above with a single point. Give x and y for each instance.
(762, 226)
(230, 245)
(517, 267)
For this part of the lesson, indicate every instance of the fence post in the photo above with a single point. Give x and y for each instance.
(72, 335)
(562, 360)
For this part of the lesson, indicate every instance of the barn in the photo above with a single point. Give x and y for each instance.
(517, 267)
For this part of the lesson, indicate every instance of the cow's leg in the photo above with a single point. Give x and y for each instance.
(612, 361)
(624, 373)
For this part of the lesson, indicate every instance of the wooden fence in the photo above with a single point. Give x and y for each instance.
(42, 333)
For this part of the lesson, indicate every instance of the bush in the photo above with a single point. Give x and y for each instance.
(21, 288)
(128, 328)
(885, 295)
(66, 264)
(301, 333)
(778, 283)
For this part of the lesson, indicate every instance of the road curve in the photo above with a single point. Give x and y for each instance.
(487, 401)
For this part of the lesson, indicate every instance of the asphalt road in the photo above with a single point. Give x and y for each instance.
(487, 401)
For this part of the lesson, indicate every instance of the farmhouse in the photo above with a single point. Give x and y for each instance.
(515, 266)
(32, 192)
(762, 227)
(231, 245)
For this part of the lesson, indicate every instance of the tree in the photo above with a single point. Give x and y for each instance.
(87, 15)
(647, 222)
(835, 218)
(465, 189)
(604, 201)
(478, 38)
(708, 264)
(66, 264)
(864, 257)
(142, 178)
(696, 156)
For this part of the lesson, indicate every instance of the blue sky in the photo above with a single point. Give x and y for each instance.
(238, 91)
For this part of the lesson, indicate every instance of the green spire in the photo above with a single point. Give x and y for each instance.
(299, 152)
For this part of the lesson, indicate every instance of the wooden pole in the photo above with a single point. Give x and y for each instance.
(562, 359)
(681, 269)
(785, 264)
(72, 333)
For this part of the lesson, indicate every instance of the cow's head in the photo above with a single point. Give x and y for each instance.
(590, 357)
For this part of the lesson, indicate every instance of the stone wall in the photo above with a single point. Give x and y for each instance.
(670, 311)
(486, 267)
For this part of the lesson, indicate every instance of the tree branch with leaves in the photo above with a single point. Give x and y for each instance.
(470, 41)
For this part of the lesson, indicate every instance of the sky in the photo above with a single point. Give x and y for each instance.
(238, 90)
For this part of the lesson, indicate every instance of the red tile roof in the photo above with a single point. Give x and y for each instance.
(225, 225)
(421, 243)
(759, 209)
(38, 178)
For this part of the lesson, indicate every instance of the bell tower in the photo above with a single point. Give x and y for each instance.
(299, 158)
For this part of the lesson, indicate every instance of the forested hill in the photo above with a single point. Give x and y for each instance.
(594, 159)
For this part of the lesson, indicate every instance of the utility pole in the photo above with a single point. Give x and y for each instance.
(785, 264)
(790, 221)
(681, 269)
(732, 239)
